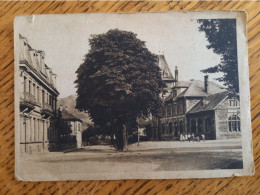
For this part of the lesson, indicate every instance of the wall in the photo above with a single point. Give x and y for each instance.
(223, 112)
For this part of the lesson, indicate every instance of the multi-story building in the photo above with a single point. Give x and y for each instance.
(216, 116)
(38, 99)
(152, 124)
(184, 96)
(193, 107)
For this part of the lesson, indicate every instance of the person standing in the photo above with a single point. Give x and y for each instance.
(203, 137)
(189, 137)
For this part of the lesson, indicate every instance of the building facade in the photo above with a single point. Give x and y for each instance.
(193, 107)
(200, 107)
(216, 116)
(184, 96)
(75, 123)
(152, 124)
(38, 100)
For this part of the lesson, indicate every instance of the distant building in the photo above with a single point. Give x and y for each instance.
(166, 75)
(217, 116)
(38, 99)
(152, 124)
(184, 96)
(193, 107)
(76, 124)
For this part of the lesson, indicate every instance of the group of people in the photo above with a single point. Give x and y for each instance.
(191, 137)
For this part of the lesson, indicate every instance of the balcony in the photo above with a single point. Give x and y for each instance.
(27, 101)
(47, 111)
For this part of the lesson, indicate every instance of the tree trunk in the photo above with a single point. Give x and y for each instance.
(122, 138)
(124, 134)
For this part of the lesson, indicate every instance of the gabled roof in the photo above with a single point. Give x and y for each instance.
(182, 84)
(196, 89)
(68, 116)
(35, 59)
(166, 72)
(209, 102)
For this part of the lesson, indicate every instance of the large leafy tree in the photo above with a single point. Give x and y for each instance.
(221, 35)
(118, 81)
(63, 127)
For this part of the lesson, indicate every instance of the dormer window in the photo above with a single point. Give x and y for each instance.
(232, 102)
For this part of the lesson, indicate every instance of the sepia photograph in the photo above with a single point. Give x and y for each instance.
(132, 96)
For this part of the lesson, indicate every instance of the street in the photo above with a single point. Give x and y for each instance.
(148, 156)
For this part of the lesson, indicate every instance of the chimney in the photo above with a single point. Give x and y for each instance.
(176, 73)
(206, 77)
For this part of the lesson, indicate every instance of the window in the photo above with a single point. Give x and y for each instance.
(232, 102)
(33, 93)
(30, 90)
(181, 109)
(175, 109)
(165, 110)
(24, 84)
(163, 128)
(234, 123)
(38, 123)
(50, 99)
(176, 129)
(43, 97)
(79, 126)
(38, 94)
(169, 110)
(35, 129)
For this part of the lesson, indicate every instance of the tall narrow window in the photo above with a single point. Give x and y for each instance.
(38, 94)
(24, 84)
(34, 129)
(163, 128)
(170, 127)
(43, 94)
(234, 123)
(50, 99)
(30, 90)
(33, 92)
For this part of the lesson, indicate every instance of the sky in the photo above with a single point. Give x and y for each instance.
(64, 39)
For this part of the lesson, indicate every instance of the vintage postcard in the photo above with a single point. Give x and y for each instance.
(132, 96)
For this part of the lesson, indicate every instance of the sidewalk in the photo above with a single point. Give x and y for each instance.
(149, 145)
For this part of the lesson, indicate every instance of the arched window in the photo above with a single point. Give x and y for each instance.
(170, 127)
(234, 123)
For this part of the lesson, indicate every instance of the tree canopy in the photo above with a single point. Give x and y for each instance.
(63, 126)
(119, 80)
(221, 35)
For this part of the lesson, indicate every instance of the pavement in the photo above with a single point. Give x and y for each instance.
(148, 156)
